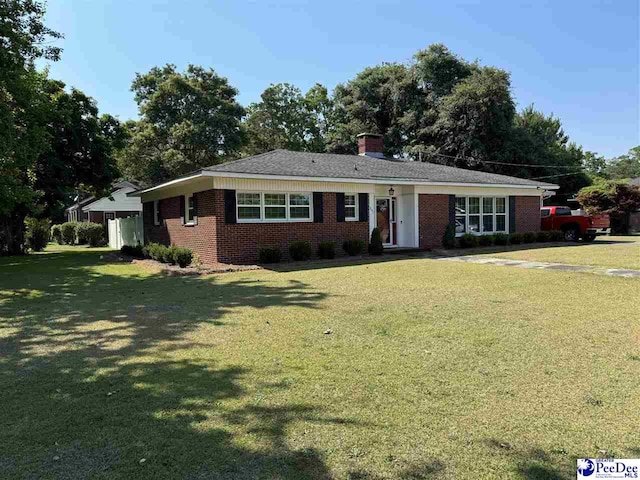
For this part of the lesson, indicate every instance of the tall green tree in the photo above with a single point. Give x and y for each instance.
(285, 118)
(538, 139)
(475, 120)
(624, 166)
(375, 101)
(23, 39)
(79, 154)
(187, 121)
(594, 165)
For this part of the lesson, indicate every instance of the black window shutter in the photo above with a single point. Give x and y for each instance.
(452, 210)
(160, 212)
(340, 207)
(363, 207)
(318, 210)
(182, 216)
(195, 208)
(512, 214)
(230, 206)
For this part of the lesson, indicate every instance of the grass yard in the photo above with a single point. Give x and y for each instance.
(433, 370)
(609, 252)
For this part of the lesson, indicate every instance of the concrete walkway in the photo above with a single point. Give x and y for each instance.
(612, 272)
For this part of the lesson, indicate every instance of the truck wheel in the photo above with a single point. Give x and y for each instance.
(589, 238)
(571, 234)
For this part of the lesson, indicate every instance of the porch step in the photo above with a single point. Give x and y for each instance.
(402, 250)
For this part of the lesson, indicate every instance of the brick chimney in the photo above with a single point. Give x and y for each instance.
(371, 145)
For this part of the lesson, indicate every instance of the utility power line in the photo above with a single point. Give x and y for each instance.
(558, 175)
(505, 163)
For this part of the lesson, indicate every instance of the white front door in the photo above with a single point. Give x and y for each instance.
(386, 219)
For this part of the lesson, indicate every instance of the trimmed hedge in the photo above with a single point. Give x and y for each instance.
(82, 232)
(172, 255)
(182, 256)
(469, 240)
(133, 251)
(485, 240)
(516, 238)
(93, 233)
(375, 245)
(68, 232)
(353, 247)
(449, 237)
(56, 234)
(543, 236)
(300, 250)
(501, 239)
(556, 235)
(37, 233)
(529, 237)
(269, 255)
(327, 250)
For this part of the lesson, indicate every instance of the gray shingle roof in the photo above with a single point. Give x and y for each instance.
(305, 164)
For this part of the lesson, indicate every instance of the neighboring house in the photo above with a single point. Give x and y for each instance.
(227, 212)
(116, 205)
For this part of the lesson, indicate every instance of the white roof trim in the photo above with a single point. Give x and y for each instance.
(380, 181)
(166, 184)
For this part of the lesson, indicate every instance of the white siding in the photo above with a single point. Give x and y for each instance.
(120, 202)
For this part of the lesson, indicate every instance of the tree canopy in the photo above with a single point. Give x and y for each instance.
(187, 121)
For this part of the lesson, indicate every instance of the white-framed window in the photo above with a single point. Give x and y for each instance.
(109, 216)
(273, 207)
(480, 215)
(350, 206)
(156, 212)
(190, 209)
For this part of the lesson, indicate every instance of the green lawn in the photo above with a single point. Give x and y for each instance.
(433, 370)
(609, 252)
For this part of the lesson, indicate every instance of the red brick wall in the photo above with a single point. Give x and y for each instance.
(216, 241)
(527, 214)
(433, 218)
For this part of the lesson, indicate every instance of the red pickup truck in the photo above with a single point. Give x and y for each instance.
(575, 227)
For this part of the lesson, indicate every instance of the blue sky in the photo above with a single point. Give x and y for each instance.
(576, 59)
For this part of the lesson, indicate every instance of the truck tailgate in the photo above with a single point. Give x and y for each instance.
(600, 221)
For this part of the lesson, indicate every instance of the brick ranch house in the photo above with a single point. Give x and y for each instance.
(98, 210)
(227, 212)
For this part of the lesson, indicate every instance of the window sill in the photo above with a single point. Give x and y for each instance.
(310, 220)
(479, 234)
(190, 224)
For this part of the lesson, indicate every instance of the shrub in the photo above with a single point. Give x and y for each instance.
(375, 246)
(300, 250)
(82, 232)
(515, 238)
(485, 240)
(56, 234)
(93, 233)
(169, 255)
(37, 233)
(327, 249)
(543, 237)
(269, 255)
(182, 256)
(353, 247)
(529, 237)
(155, 251)
(556, 235)
(468, 240)
(133, 251)
(449, 237)
(501, 239)
(68, 232)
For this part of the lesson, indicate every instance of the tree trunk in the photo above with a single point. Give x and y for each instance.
(12, 234)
